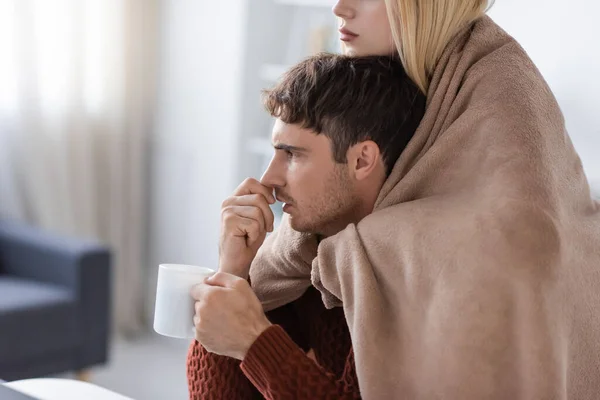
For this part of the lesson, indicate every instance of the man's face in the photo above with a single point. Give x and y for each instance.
(319, 194)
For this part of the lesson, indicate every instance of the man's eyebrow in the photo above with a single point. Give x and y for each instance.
(287, 147)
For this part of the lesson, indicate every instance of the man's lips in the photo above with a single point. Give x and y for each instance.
(281, 199)
(286, 203)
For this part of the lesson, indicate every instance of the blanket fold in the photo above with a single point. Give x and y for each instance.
(478, 273)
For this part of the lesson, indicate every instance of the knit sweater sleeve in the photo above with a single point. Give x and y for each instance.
(214, 377)
(281, 370)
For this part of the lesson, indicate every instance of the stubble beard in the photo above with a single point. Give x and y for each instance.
(332, 211)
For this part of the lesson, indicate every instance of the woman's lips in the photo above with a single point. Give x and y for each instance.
(347, 35)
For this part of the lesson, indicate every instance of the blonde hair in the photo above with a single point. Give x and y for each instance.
(423, 28)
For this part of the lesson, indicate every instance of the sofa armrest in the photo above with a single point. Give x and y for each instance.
(81, 266)
(32, 253)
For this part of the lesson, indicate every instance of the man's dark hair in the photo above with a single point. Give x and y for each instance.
(350, 100)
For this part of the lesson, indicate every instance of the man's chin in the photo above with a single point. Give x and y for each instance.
(303, 228)
(298, 226)
(294, 223)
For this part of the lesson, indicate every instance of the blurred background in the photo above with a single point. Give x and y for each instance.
(125, 123)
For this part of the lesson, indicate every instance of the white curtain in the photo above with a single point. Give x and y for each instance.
(77, 81)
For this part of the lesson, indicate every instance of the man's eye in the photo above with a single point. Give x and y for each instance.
(289, 154)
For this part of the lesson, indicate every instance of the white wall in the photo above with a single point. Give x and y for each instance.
(194, 151)
(563, 39)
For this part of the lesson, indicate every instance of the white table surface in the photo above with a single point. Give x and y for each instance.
(63, 389)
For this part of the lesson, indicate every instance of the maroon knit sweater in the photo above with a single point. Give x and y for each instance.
(276, 366)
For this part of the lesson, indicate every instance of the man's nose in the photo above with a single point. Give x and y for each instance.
(273, 175)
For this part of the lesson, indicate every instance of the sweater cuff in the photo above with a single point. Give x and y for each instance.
(266, 355)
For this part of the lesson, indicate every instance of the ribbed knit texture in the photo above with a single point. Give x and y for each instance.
(277, 365)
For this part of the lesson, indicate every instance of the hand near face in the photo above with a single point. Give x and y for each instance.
(246, 217)
(229, 316)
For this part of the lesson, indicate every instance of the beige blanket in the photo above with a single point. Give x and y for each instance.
(478, 274)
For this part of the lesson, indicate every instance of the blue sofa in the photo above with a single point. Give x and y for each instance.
(54, 302)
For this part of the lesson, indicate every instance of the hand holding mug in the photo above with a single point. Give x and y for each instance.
(228, 315)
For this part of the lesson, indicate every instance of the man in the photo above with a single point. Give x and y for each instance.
(341, 124)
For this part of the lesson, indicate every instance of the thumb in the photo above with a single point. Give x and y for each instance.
(222, 279)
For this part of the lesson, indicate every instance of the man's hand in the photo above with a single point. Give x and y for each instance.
(245, 220)
(229, 316)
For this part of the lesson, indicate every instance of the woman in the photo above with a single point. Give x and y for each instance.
(418, 30)
(476, 275)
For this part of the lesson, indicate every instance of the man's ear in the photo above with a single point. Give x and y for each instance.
(365, 158)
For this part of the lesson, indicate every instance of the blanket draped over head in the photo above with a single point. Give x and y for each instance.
(477, 276)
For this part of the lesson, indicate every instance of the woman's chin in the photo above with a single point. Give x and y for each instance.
(352, 50)
(349, 50)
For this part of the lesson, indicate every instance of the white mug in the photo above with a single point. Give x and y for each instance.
(174, 308)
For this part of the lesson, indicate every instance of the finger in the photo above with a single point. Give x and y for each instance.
(248, 208)
(247, 228)
(223, 279)
(252, 186)
(197, 291)
(255, 200)
(254, 232)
